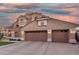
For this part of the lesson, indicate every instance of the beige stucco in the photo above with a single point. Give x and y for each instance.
(72, 36)
(51, 24)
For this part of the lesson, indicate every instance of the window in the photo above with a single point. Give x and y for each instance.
(22, 21)
(42, 23)
(17, 26)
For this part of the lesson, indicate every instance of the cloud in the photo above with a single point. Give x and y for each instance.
(25, 7)
(71, 19)
(3, 9)
(66, 12)
(4, 14)
(5, 21)
(18, 5)
(66, 5)
(8, 20)
(55, 11)
(73, 11)
(73, 8)
(15, 10)
(15, 7)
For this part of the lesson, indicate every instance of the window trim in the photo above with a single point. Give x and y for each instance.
(22, 21)
(41, 24)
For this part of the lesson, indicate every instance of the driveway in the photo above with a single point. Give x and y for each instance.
(39, 48)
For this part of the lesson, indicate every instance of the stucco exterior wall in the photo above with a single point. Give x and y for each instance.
(72, 36)
(51, 24)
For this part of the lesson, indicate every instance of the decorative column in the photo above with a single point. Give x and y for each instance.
(23, 35)
(12, 33)
(49, 33)
(72, 36)
(7, 32)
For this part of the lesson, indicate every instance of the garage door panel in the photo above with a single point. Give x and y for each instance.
(60, 36)
(36, 36)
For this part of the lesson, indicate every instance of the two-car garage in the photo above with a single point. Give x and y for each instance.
(56, 36)
(41, 27)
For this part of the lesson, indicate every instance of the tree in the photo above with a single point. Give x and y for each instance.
(1, 36)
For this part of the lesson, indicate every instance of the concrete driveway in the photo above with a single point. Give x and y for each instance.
(39, 48)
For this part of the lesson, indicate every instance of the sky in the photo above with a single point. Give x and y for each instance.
(62, 11)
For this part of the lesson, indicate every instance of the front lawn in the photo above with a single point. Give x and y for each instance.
(5, 43)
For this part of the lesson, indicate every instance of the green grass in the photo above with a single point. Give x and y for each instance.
(5, 43)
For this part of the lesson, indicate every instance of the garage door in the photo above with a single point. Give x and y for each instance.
(36, 35)
(60, 36)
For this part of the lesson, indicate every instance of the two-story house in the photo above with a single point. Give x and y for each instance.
(38, 27)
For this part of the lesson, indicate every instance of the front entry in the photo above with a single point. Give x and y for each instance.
(60, 36)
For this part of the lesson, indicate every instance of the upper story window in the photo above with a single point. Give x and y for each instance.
(42, 23)
(17, 26)
(22, 21)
